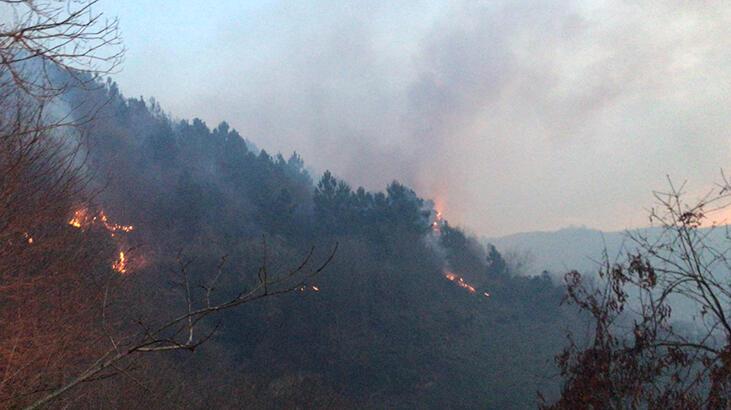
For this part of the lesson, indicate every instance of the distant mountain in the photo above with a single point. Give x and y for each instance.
(560, 251)
(581, 249)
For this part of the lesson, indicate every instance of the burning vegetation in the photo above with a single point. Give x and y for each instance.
(452, 277)
(120, 265)
(436, 226)
(304, 288)
(84, 219)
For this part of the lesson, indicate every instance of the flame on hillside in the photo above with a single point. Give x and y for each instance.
(79, 219)
(459, 281)
(83, 219)
(304, 288)
(437, 224)
(120, 265)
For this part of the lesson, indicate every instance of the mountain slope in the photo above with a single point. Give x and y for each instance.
(405, 315)
(562, 250)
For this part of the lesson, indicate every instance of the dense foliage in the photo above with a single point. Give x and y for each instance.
(381, 326)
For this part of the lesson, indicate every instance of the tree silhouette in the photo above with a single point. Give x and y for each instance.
(638, 355)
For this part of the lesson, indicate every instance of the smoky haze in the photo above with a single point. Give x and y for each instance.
(514, 116)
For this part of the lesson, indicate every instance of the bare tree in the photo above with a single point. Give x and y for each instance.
(183, 332)
(59, 322)
(59, 327)
(46, 298)
(639, 354)
(39, 37)
(41, 160)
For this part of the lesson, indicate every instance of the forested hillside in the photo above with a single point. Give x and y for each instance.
(151, 260)
(287, 291)
(409, 308)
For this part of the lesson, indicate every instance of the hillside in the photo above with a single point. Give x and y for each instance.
(560, 251)
(580, 249)
(410, 310)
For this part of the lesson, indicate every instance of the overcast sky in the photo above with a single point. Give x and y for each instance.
(515, 116)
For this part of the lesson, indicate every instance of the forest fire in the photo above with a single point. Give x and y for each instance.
(120, 265)
(452, 277)
(78, 219)
(437, 224)
(82, 220)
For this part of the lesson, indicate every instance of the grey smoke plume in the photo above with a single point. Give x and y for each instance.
(513, 115)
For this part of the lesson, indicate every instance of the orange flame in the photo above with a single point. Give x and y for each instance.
(437, 223)
(112, 227)
(82, 220)
(79, 218)
(459, 281)
(120, 265)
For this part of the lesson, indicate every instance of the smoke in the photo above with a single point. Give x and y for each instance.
(513, 115)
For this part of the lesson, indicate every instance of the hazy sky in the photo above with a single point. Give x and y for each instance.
(516, 116)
